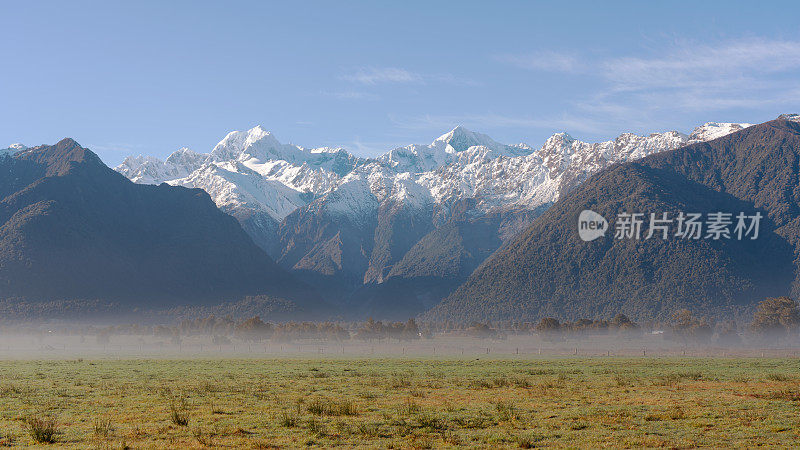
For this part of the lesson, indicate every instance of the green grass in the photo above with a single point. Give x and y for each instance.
(401, 403)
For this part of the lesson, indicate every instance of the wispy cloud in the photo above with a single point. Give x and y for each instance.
(492, 120)
(727, 65)
(680, 77)
(750, 73)
(545, 61)
(351, 95)
(635, 92)
(374, 75)
(371, 76)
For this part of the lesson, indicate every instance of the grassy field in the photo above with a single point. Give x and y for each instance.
(402, 403)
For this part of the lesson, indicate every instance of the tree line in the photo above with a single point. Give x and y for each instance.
(774, 319)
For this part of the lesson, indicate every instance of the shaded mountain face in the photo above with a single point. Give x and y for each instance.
(549, 271)
(71, 228)
(439, 261)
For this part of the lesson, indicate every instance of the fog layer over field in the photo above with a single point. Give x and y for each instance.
(375, 339)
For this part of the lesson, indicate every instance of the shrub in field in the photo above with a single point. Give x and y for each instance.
(43, 430)
(288, 419)
(431, 421)
(780, 377)
(521, 382)
(483, 383)
(500, 381)
(178, 412)
(205, 439)
(400, 381)
(324, 407)
(216, 410)
(786, 394)
(579, 426)
(528, 441)
(318, 407)
(343, 428)
(670, 379)
(479, 420)
(541, 372)
(102, 428)
(506, 411)
(408, 407)
(315, 426)
(677, 413)
(623, 380)
(369, 429)
(344, 408)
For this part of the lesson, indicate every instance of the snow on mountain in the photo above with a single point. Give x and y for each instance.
(151, 170)
(538, 178)
(251, 171)
(459, 143)
(233, 186)
(186, 159)
(714, 130)
(353, 199)
(13, 148)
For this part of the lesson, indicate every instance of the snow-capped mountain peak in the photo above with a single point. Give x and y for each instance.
(253, 143)
(186, 157)
(714, 130)
(13, 148)
(256, 178)
(460, 139)
(559, 140)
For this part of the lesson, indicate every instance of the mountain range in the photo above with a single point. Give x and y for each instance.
(73, 229)
(463, 229)
(391, 236)
(548, 270)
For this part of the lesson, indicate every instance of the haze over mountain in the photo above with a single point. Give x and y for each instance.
(72, 228)
(549, 271)
(398, 232)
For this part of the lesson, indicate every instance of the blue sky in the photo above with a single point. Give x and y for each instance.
(150, 77)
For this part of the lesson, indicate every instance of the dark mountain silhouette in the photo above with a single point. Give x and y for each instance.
(71, 228)
(549, 271)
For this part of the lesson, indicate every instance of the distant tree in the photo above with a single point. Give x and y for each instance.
(728, 333)
(776, 316)
(336, 333)
(549, 328)
(371, 329)
(253, 329)
(220, 340)
(410, 330)
(687, 328)
(547, 325)
(480, 330)
(622, 322)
